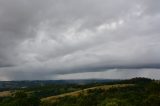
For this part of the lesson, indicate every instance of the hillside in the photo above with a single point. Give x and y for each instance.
(84, 91)
(133, 92)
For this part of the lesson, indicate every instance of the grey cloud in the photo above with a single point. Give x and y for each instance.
(18, 19)
(114, 74)
(57, 36)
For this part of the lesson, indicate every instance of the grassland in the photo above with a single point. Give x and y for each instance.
(84, 91)
(5, 94)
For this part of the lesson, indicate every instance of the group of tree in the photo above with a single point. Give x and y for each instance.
(20, 99)
(145, 92)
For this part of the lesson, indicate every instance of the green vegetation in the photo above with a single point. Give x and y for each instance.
(134, 92)
(84, 91)
(20, 99)
(144, 92)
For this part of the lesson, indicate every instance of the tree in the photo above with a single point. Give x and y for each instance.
(115, 102)
(22, 99)
(152, 100)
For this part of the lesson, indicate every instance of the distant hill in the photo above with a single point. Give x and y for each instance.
(7, 85)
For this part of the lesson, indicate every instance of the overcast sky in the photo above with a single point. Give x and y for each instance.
(76, 39)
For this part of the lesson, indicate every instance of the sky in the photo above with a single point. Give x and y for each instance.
(79, 39)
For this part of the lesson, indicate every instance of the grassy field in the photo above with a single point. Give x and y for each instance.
(5, 93)
(84, 91)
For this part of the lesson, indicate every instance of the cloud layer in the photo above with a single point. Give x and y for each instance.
(43, 39)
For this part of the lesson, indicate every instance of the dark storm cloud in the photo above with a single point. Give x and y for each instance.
(57, 36)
